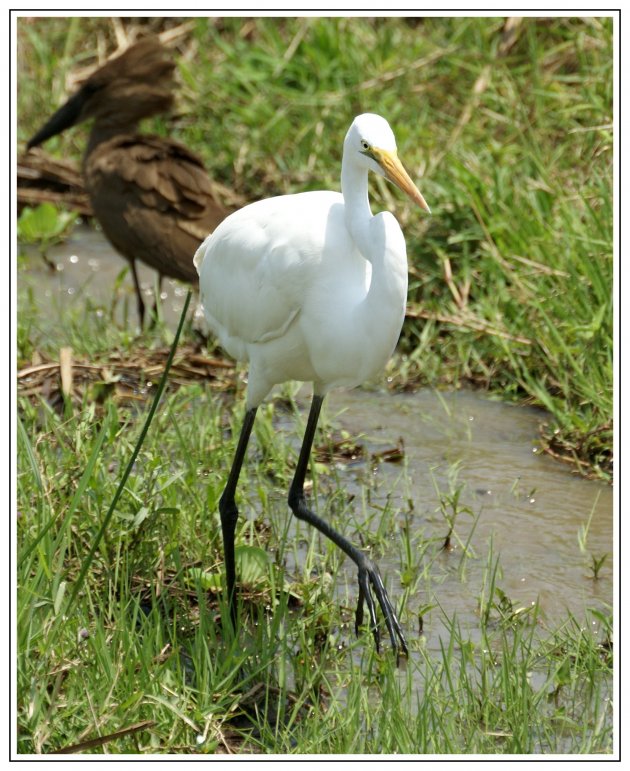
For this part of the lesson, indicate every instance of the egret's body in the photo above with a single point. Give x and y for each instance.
(318, 311)
(311, 287)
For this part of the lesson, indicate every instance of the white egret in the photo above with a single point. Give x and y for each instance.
(312, 287)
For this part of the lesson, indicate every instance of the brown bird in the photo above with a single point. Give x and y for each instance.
(151, 195)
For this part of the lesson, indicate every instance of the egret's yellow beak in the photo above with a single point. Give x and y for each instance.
(395, 172)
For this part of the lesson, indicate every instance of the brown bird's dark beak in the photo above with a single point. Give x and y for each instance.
(67, 115)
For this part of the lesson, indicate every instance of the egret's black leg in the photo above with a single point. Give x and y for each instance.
(229, 512)
(370, 582)
(136, 283)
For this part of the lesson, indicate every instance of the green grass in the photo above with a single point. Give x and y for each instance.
(142, 640)
(510, 288)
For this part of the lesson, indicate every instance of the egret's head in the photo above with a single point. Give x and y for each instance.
(372, 143)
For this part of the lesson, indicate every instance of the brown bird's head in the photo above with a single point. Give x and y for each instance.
(132, 86)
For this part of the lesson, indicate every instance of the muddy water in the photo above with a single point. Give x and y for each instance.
(526, 510)
(87, 266)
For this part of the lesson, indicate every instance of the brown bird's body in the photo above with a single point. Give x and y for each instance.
(151, 195)
(153, 200)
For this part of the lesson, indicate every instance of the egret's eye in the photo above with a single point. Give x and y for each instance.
(364, 145)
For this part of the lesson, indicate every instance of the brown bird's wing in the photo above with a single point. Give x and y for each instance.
(154, 200)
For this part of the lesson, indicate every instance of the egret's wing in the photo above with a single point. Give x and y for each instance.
(256, 270)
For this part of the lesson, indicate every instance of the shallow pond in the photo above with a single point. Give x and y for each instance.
(525, 509)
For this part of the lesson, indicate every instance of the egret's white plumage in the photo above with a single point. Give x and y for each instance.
(312, 287)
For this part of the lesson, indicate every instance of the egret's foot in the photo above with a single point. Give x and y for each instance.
(370, 584)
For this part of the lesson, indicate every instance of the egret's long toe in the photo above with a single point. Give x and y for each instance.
(371, 583)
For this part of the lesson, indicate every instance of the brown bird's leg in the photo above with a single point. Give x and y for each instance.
(229, 511)
(136, 283)
(369, 577)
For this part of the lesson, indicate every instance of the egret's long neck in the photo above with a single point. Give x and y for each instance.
(354, 186)
(381, 242)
